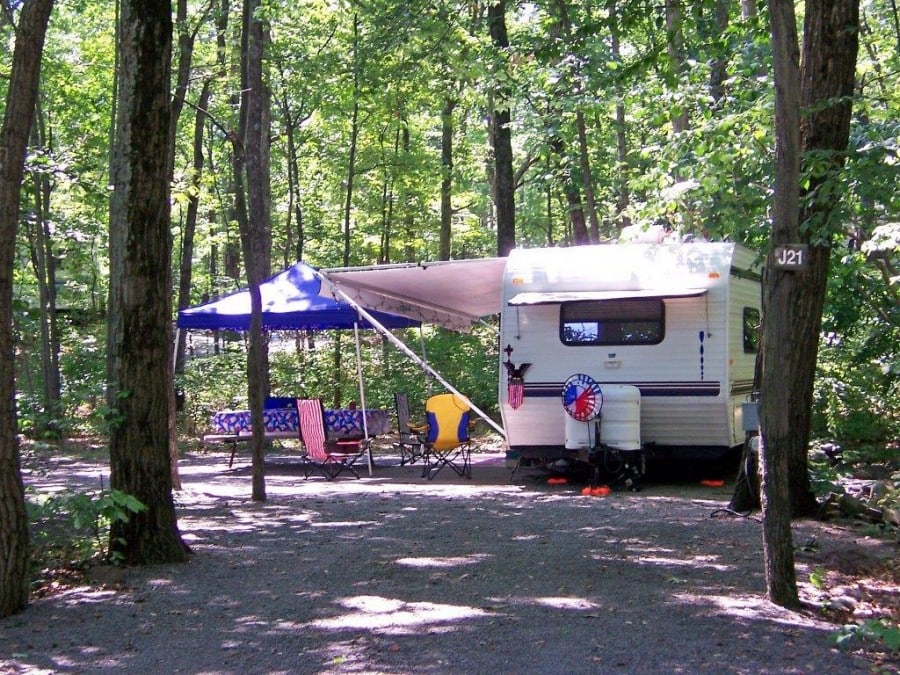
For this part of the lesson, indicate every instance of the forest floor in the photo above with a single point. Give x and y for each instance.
(392, 573)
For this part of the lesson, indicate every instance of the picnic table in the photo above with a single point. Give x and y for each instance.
(233, 426)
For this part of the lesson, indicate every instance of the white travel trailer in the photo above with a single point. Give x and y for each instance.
(667, 334)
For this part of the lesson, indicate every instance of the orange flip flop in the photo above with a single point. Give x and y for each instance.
(712, 483)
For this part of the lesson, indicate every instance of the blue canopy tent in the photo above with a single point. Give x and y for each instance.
(291, 300)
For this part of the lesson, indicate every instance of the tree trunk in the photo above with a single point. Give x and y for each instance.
(354, 139)
(830, 47)
(677, 59)
(256, 235)
(140, 301)
(623, 196)
(718, 68)
(21, 97)
(446, 177)
(779, 316)
(504, 176)
(584, 162)
(43, 262)
(190, 220)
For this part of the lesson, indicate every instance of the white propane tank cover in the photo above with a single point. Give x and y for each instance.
(620, 423)
(579, 435)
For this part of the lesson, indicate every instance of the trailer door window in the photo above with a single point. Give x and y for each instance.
(635, 321)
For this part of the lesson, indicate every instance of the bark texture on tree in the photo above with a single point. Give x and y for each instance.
(256, 234)
(21, 98)
(779, 356)
(504, 175)
(827, 78)
(140, 288)
(446, 177)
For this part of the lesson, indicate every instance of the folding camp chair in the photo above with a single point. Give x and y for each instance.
(409, 444)
(446, 436)
(331, 457)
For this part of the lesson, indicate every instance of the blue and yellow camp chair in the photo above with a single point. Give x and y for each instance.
(445, 435)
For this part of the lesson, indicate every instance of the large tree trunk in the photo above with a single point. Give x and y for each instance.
(779, 316)
(21, 97)
(504, 176)
(140, 288)
(830, 47)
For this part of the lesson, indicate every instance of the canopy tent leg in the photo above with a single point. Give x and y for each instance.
(362, 398)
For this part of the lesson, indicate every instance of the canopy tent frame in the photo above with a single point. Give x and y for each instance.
(293, 301)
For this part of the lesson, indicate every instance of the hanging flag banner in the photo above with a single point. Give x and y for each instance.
(515, 387)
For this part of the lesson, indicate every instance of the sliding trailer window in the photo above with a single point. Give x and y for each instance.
(629, 321)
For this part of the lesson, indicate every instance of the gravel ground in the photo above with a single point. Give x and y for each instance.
(396, 574)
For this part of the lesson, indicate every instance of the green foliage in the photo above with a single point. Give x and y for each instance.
(73, 527)
(824, 478)
(877, 630)
(817, 577)
(399, 65)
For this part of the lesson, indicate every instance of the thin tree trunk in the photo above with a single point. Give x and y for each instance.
(21, 98)
(354, 138)
(409, 229)
(256, 237)
(623, 196)
(505, 193)
(387, 202)
(584, 161)
(190, 220)
(446, 177)
(677, 60)
(718, 67)
(44, 264)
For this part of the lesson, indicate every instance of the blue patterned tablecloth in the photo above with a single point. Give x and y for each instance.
(339, 423)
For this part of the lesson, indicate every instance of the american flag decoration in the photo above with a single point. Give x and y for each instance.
(515, 392)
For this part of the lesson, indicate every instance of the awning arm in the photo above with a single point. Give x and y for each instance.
(406, 350)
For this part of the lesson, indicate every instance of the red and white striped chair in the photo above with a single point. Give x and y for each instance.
(331, 457)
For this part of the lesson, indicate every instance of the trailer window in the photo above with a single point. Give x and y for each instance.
(751, 330)
(638, 321)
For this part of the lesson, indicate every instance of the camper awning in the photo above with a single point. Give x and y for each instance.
(557, 297)
(451, 293)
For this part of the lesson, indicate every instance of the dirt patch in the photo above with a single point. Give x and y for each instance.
(395, 574)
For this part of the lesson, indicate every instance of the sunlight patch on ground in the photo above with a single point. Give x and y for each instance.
(694, 562)
(452, 561)
(750, 607)
(370, 612)
(556, 602)
(346, 523)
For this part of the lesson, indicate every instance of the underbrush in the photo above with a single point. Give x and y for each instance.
(70, 534)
